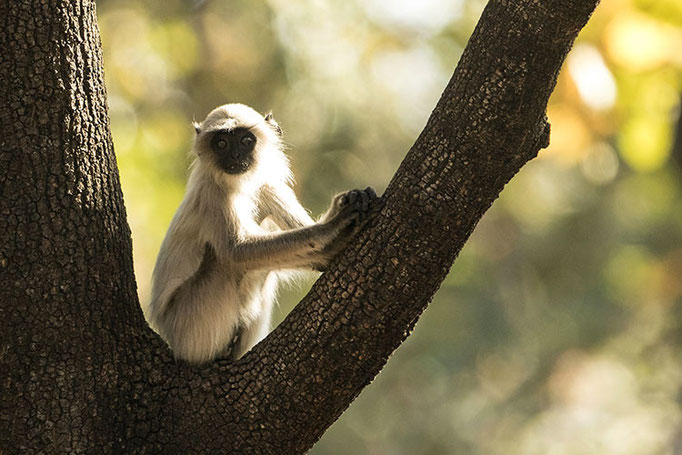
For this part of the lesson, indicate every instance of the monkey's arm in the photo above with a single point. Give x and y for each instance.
(281, 204)
(288, 249)
(306, 246)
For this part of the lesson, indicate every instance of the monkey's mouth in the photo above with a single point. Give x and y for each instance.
(235, 165)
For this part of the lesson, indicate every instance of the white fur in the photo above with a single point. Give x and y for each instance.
(236, 215)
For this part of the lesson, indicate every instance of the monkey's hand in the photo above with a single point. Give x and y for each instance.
(349, 211)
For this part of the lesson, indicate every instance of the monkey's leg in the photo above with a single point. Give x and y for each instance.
(252, 334)
(197, 320)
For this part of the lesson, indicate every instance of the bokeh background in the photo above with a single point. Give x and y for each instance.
(558, 330)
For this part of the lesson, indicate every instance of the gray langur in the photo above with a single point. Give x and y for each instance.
(237, 230)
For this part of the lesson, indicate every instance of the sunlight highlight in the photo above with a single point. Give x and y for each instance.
(594, 81)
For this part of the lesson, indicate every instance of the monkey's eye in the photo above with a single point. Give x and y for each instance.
(247, 141)
(221, 143)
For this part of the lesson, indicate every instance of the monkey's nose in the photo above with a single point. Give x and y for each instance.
(235, 154)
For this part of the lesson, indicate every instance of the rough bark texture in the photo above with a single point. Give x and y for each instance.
(79, 369)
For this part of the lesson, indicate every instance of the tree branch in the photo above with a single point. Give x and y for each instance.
(488, 123)
(79, 369)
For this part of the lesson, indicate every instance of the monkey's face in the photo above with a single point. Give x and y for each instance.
(235, 142)
(234, 149)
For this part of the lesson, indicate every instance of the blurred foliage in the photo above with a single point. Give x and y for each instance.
(558, 330)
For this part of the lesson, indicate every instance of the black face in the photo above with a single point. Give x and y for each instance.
(234, 149)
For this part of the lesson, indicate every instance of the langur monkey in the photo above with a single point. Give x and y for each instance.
(237, 229)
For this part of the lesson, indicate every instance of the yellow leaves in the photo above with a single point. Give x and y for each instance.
(623, 89)
(645, 136)
(639, 42)
(645, 142)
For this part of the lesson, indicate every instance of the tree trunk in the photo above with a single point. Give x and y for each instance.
(80, 371)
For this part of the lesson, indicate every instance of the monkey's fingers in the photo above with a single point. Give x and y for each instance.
(350, 197)
(371, 193)
(370, 198)
(363, 202)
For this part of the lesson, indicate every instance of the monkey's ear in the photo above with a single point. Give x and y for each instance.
(270, 120)
(197, 127)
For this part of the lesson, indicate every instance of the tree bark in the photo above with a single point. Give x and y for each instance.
(80, 371)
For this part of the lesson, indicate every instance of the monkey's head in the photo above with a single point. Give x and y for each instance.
(234, 139)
